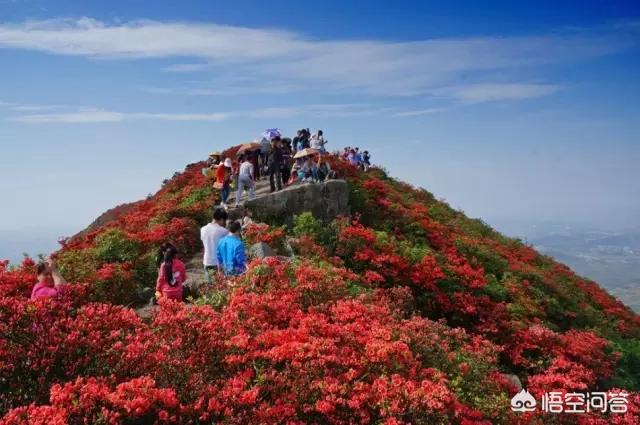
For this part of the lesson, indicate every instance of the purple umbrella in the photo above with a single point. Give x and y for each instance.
(272, 133)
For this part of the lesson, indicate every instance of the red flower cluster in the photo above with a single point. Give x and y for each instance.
(409, 313)
(261, 232)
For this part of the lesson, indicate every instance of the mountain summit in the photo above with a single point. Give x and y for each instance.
(406, 311)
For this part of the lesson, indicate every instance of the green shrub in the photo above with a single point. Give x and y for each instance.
(323, 234)
(307, 224)
(77, 266)
(113, 246)
(145, 270)
(627, 373)
(214, 297)
(495, 289)
(491, 262)
(196, 196)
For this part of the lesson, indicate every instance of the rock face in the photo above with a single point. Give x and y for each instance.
(261, 250)
(325, 201)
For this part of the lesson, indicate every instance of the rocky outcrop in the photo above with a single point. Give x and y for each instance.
(261, 250)
(325, 201)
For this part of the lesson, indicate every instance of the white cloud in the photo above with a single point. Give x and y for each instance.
(477, 93)
(103, 116)
(185, 67)
(368, 66)
(79, 117)
(94, 115)
(418, 112)
(221, 89)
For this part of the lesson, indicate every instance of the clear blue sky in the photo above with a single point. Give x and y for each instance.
(509, 110)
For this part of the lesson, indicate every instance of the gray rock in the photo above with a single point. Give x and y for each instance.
(192, 287)
(146, 294)
(325, 201)
(261, 250)
(513, 379)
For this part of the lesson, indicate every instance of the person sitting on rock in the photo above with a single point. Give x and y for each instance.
(324, 170)
(247, 218)
(310, 170)
(231, 254)
(50, 281)
(171, 274)
(295, 171)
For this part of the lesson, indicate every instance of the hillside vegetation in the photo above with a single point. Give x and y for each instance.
(406, 312)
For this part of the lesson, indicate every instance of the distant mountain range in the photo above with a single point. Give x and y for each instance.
(611, 258)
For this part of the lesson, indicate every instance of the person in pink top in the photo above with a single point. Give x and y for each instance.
(171, 275)
(50, 281)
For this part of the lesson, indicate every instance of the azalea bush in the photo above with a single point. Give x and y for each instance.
(273, 236)
(406, 312)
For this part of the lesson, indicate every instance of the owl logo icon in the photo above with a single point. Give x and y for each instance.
(523, 402)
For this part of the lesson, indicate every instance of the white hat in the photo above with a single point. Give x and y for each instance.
(228, 163)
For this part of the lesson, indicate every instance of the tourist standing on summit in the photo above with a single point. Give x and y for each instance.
(275, 165)
(297, 142)
(321, 142)
(245, 180)
(315, 142)
(210, 236)
(265, 148)
(366, 160)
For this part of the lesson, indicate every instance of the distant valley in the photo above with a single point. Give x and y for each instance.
(611, 258)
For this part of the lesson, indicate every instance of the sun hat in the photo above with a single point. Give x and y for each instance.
(228, 163)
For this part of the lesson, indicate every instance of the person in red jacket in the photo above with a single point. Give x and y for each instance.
(171, 275)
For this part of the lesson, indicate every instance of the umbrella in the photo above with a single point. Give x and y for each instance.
(305, 152)
(272, 133)
(251, 146)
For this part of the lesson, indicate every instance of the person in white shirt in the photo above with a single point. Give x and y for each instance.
(245, 180)
(321, 142)
(210, 235)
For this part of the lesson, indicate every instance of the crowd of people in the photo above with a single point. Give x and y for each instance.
(361, 160)
(283, 160)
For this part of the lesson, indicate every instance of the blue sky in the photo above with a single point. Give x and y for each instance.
(509, 110)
